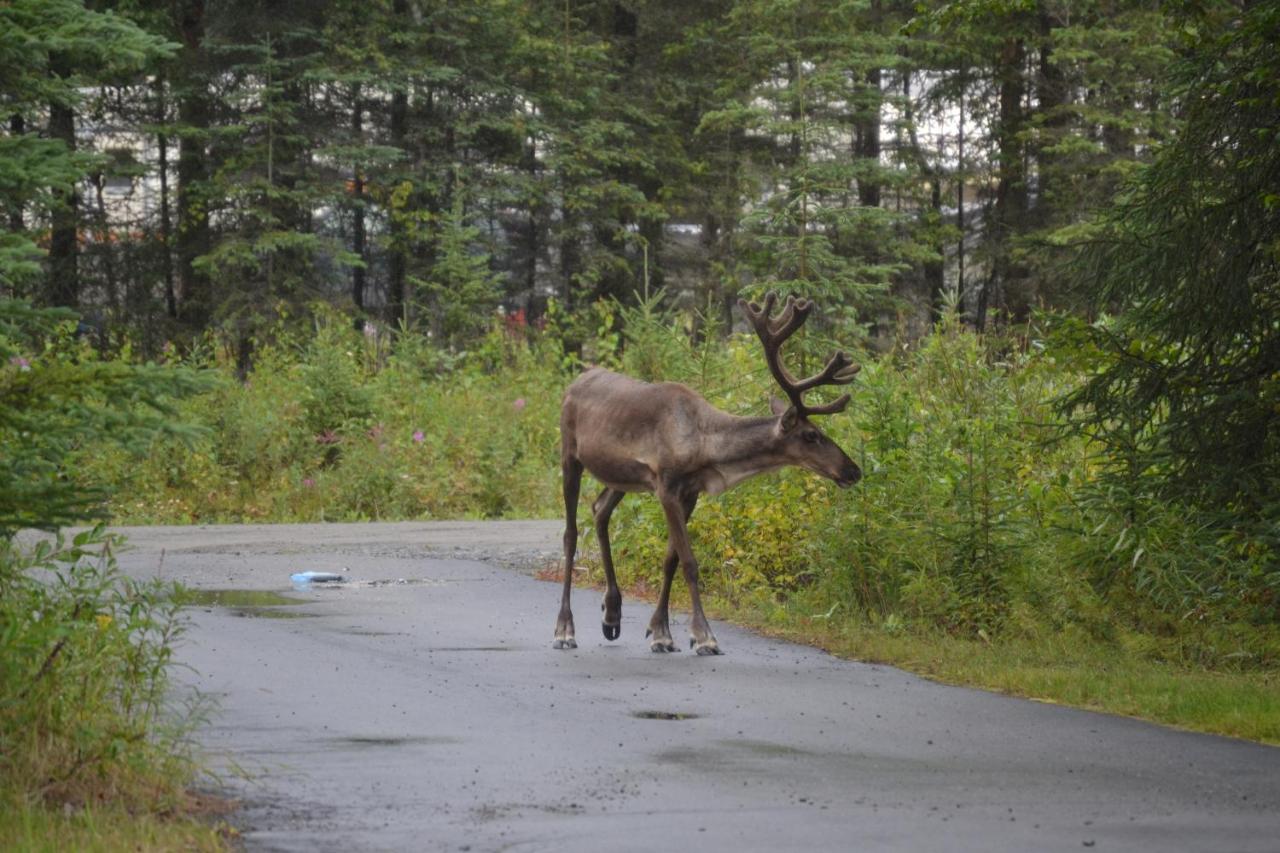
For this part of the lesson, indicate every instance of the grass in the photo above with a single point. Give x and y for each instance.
(26, 827)
(95, 750)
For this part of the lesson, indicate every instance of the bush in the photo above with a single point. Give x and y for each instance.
(343, 427)
(84, 662)
(56, 397)
(84, 651)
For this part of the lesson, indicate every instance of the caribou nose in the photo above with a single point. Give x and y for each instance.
(850, 476)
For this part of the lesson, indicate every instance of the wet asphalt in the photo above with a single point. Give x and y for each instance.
(421, 707)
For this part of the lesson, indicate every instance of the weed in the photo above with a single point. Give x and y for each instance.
(86, 722)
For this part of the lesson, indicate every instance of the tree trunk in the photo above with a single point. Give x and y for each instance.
(933, 270)
(64, 284)
(17, 127)
(105, 245)
(397, 266)
(533, 242)
(867, 126)
(195, 296)
(795, 80)
(1051, 96)
(438, 201)
(357, 209)
(960, 178)
(1009, 215)
(166, 237)
(570, 260)
(867, 141)
(653, 233)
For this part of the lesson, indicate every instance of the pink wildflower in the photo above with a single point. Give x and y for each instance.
(309, 483)
(418, 437)
(519, 404)
(327, 437)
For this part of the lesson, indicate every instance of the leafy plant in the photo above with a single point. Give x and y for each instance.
(56, 397)
(85, 655)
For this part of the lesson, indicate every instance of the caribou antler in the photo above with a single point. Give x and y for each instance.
(774, 331)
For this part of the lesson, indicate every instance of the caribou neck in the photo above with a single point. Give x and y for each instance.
(739, 448)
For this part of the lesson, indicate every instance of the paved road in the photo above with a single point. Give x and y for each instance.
(434, 715)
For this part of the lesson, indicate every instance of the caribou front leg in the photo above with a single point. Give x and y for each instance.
(660, 624)
(702, 640)
(572, 472)
(603, 507)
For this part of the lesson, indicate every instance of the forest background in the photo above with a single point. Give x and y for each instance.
(331, 260)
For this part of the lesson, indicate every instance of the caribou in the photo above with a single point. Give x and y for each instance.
(665, 438)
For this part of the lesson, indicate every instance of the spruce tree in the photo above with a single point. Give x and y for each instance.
(1188, 390)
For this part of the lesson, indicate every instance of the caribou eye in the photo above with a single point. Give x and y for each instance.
(811, 436)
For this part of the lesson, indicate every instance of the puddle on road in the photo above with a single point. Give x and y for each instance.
(764, 747)
(663, 715)
(736, 755)
(255, 603)
(405, 582)
(381, 740)
(505, 811)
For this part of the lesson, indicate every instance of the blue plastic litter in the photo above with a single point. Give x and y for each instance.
(302, 580)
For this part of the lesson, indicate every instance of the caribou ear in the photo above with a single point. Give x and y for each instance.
(790, 417)
(777, 406)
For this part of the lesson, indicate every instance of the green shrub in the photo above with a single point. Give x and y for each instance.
(57, 397)
(342, 428)
(84, 663)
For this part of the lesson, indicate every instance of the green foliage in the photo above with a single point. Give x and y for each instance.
(84, 651)
(461, 292)
(343, 427)
(39, 41)
(84, 674)
(1186, 393)
(56, 397)
(806, 87)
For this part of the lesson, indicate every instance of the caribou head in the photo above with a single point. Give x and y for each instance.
(800, 440)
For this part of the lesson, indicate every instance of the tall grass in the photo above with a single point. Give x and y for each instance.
(337, 427)
(86, 721)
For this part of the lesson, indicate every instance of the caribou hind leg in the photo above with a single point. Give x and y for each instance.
(572, 472)
(603, 507)
(659, 630)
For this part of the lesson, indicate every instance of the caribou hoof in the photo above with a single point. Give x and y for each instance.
(611, 632)
(569, 643)
(661, 645)
(709, 647)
